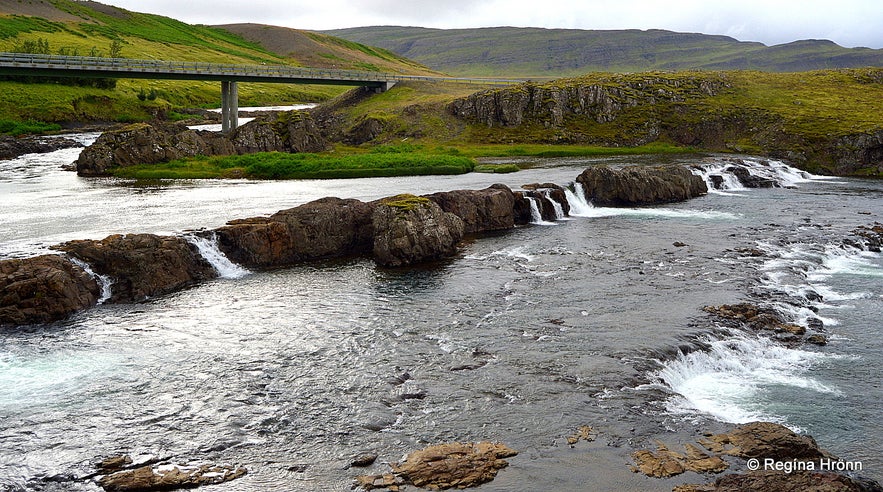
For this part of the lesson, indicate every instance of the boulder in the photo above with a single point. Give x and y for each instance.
(749, 180)
(410, 229)
(42, 289)
(490, 209)
(324, 228)
(445, 466)
(640, 185)
(168, 477)
(142, 265)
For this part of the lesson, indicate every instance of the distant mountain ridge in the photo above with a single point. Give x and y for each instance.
(517, 51)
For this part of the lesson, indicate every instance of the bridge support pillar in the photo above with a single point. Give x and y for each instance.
(229, 106)
(385, 86)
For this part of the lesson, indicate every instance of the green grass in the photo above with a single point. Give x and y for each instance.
(24, 127)
(278, 165)
(497, 168)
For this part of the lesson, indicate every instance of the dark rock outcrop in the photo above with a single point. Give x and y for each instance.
(324, 228)
(42, 289)
(142, 265)
(444, 466)
(12, 147)
(755, 317)
(547, 196)
(410, 229)
(491, 209)
(142, 143)
(640, 185)
(749, 180)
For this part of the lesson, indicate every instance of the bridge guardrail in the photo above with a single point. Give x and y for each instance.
(124, 65)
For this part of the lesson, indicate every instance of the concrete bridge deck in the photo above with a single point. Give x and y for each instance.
(26, 64)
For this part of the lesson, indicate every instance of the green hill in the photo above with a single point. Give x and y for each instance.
(94, 29)
(534, 52)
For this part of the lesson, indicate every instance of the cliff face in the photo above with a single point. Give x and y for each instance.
(718, 111)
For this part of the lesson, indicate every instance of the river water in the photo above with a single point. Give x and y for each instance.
(522, 338)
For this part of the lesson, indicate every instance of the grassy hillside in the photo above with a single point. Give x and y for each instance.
(93, 29)
(534, 52)
(828, 121)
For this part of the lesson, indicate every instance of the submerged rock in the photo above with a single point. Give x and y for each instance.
(168, 477)
(444, 466)
(640, 185)
(142, 265)
(42, 289)
(410, 229)
(664, 463)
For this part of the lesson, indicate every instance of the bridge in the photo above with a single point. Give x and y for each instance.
(26, 64)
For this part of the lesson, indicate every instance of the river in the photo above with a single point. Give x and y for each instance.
(523, 337)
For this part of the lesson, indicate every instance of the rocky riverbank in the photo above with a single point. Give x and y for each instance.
(12, 147)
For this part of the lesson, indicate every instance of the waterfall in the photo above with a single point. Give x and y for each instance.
(577, 200)
(208, 248)
(536, 217)
(721, 178)
(559, 209)
(103, 281)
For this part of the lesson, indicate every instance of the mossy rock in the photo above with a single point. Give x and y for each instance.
(405, 202)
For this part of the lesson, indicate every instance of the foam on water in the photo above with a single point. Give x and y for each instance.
(729, 379)
(104, 282)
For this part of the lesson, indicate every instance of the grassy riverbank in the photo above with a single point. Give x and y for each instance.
(278, 165)
(384, 160)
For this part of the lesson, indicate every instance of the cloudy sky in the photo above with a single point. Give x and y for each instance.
(849, 23)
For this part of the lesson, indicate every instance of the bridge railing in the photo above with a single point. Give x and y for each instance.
(123, 65)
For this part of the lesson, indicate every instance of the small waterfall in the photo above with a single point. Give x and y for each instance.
(742, 174)
(559, 209)
(577, 200)
(208, 248)
(536, 217)
(103, 281)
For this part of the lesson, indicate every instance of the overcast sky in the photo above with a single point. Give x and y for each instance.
(849, 23)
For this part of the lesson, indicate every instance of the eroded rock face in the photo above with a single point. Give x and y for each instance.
(445, 466)
(142, 265)
(664, 463)
(289, 131)
(324, 228)
(640, 185)
(42, 289)
(410, 229)
(491, 209)
(168, 477)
